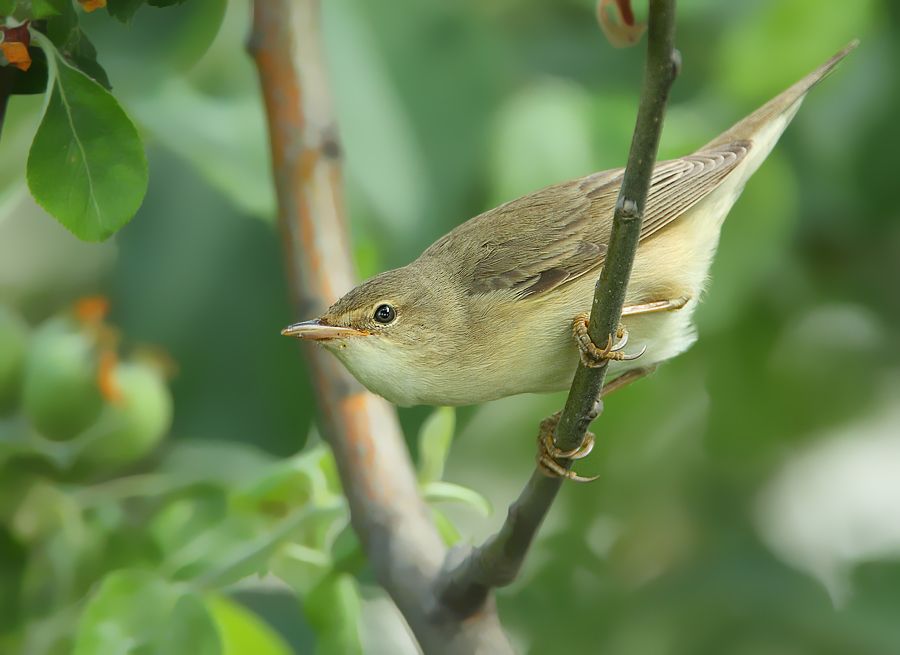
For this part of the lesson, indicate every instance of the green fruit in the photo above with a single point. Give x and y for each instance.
(13, 346)
(61, 397)
(135, 423)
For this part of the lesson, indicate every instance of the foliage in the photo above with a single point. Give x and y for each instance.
(86, 166)
(112, 552)
(685, 545)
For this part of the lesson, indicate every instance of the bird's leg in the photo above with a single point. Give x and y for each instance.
(548, 454)
(668, 305)
(591, 355)
(625, 379)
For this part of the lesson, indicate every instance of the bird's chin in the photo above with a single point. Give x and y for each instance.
(379, 366)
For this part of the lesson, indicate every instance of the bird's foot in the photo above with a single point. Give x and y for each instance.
(591, 355)
(549, 455)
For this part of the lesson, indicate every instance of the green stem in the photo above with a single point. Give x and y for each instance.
(467, 581)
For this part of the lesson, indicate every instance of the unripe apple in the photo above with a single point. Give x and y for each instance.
(133, 423)
(60, 396)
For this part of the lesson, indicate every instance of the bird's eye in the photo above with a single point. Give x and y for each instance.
(385, 314)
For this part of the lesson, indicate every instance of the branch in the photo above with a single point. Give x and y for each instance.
(386, 510)
(7, 79)
(466, 583)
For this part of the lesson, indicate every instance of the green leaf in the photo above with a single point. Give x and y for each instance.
(333, 610)
(242, 631)
(434, 443)
(186, 519)
(237, 547)
(191, 630)
(283, 486)
(45, 8)
(73, 44)
(449, 492)
(223, 463)
(138, 611)
(86, 166)
(164, 3)
(7, 7)
(82, 54)
(123, 10)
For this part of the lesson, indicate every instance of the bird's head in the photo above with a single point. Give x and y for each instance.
(389, 330)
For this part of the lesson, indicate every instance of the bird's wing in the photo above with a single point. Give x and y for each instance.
(532, 255)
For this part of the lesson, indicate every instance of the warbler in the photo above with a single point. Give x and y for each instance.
(489, 310)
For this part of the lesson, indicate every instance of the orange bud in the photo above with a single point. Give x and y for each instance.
(92, 5)
(106, 379)
(16, 53)
(92, 309)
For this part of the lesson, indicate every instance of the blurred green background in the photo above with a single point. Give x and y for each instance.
(749, 492)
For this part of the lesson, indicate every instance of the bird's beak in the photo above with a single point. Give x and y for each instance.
(316, 330)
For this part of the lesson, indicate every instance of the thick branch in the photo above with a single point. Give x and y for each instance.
(386, 510)
(495, 563)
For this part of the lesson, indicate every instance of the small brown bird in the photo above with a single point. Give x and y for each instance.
(488, 310)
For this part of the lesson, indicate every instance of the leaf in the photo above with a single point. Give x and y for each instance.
(46, 8)
(191, 630)
(237, 547)
(123, 10)
(219, 462)
(287, 485)
(242, 631)
(138, 611)
(81, 53)
(449, 492)
(333, 609)
(435, 437)
(86, 166)
(73, 44)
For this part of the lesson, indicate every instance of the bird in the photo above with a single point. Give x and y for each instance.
(498, 306)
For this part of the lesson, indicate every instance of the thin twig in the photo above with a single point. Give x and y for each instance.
(386, 509)
(467, 582)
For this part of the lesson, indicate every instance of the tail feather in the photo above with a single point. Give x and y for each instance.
(786, 103)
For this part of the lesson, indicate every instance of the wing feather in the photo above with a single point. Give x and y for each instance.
(523, 251)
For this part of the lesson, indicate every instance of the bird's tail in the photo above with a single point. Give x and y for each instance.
(765, 125)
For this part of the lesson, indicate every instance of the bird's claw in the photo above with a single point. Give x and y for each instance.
(591, 355)
(549, 454)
